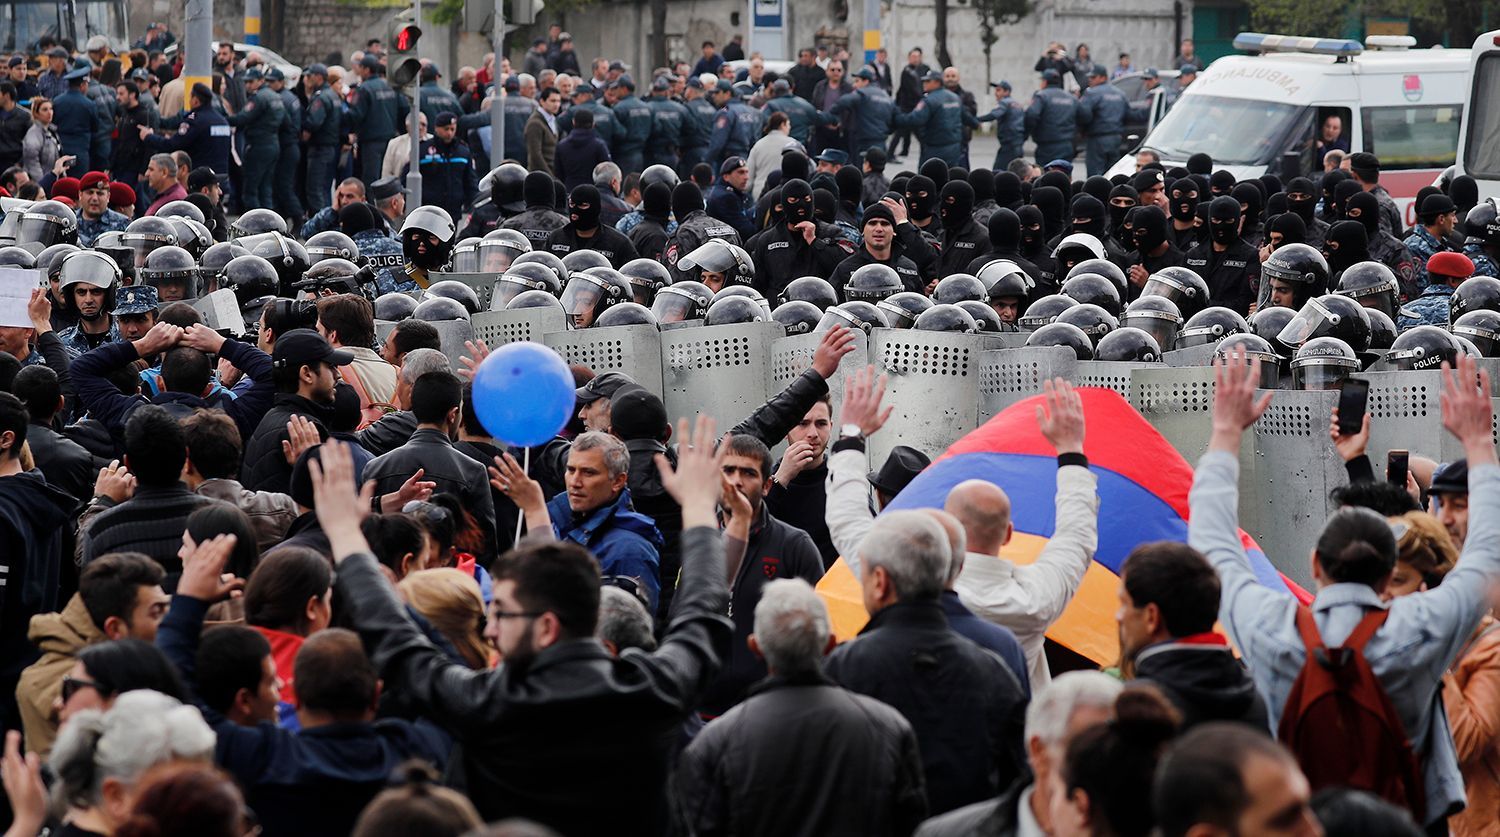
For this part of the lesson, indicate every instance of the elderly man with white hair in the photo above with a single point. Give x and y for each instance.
(800, 756)
(1073, 702)
(963, 701)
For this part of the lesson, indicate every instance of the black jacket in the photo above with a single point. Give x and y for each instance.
(533, 736)
(802, 756)
(783, 254)
(265, 467)
(576, 156)
(999, 817)
(14, 124)
(776, 550)
(392, 431)
(65, 463)
(536, 223)
(804, 78)
(965, 704)
(1205, 683)
(431, 451)
(606, 241)
(1232, 275)
(960, 247)
(691, 232)
(911, 277)
(34, 518)
(649, 238)
(803, 503)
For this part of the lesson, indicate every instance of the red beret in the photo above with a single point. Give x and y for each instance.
(66, 201)
(121, 194)
(65, 187)
(93, 179)
(1455, 265)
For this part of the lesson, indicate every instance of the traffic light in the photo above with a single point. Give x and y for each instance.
(404, 63)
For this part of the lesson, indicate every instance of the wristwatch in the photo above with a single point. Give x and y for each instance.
(850, 431)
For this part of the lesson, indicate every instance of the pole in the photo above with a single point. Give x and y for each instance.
(197, 43)
(414, 125)
(872, 30)
(497, 105)
(252, 22)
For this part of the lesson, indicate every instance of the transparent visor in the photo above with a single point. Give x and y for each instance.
(1201, 336)
(642, 292)
(581, 296)
(511, 286)
(1484, 340)
(10, 227)
(839, 317)
(898, 316)
(1162, 327)
(1164, 286)
(674, 306)
(1382, 299)
(1270, 367)
(38, 227)
(714, 257)
(1322, 373)
(1309, 321)
(494, 257)
(90, 271)
(465, 259)
(142, 246)
(1033, 322)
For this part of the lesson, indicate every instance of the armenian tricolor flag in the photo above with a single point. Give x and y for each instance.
(1143, 497)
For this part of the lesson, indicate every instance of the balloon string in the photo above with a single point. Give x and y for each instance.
(525, 469)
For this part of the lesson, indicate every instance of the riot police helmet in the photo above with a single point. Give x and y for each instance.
(1324, 363)
(1329, 315)
(1065, 335)
(872, 283)
(1090, 319)
(1184, 287)
(957, 287)
(456, 291)
(1093, 289)
(584, 259)
(735, 309)
(440, 309)
(257, 221)
(626, 314)
(1129, 344)
(1476, 293)
(500, 248)
(1104, 267)
(1209, 326)
(428, 236)
(1044, 311)
(1155, 315)
(532, 299)
(856, 313)
(1482, 328)
(394, 306)
(903, 309)
(646, 277)
(687, 300)
(1371, 284)
(985, 319)
(814, 289)
(797, 316)
(1422, 347)
(331, 244)
(1254, 347)
(173, 272)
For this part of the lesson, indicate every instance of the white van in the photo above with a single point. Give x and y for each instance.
(1479, 152)
(1262, 113)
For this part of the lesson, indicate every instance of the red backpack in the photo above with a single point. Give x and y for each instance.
(1342, 727)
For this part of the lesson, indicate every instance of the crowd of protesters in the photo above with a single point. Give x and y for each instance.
(283, 579)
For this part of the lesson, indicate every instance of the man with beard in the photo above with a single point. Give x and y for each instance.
(1153, 249)
(801, 246)
(303, 365)
(87, 282)
(94, 215)
(963, 239)
(798, 493)
(1226, 262)
(584, 232)
(880, 246)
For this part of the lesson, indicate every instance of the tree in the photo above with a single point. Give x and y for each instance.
(1298, 17)
(658, 33)
(992, 15)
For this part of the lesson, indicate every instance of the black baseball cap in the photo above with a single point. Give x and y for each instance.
(301, 346)
(602, 386)
(636, 413)
(1451, 478)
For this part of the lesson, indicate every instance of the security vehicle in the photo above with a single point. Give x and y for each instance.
(1479, 148)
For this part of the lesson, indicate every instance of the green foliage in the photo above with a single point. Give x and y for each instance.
(996, 13)
(1322, 19)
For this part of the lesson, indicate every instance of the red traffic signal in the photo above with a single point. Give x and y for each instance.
(406, 38)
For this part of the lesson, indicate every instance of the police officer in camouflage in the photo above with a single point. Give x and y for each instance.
(1436, 219)
(636, 120)
(260, 120)
(1445, 272)
(1483, 243)
(322, 131)
(88, 281)
(1011, 125)
(284, 188)
(380, 251)
(938, 121)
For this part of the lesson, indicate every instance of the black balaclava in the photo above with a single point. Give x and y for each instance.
(824, 180)
(559, 196)
(1330, 186)
(770, 209)
(1098, 187)
(1364, 207)
(1290, 225)
(1177, 173)
(825, 206)
(1005, 231)
(1346, 245)
(656, 201)
(773, 179)
(1220, 183)
(851, 185)
(935, 170)
(1182, 197)
(898, 184)
(1306, 206)
(1050, 201)
(1008, 190)
(1150, 228)
(956, 204)
(1057, 180)
(356, 218)
(1204, 190)
(1341, 195)
(1200, 163)
(1272, 184)
(583, 206)
(794, 164)
(1033, 230)
(796, 201)
(687, 198)
(1464, 192)
(537, 189)
(1126, 233)
(1276, 205)
(957, 173)
(921, 197)
(1088, 216)
(983, 181)
(1224, 220)
(1117, 213)
(1247, 193)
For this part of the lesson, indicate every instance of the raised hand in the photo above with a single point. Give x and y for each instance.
(302, 435)
(340, 505)
(24, 788)
(1349, 445)
(477, 352)
(1467, 411)
(862, 395)
(697, 480)
(837, 342)
(115, 482)
(1061, 419)
(1235, 405)
(203, 568)
(204, 339)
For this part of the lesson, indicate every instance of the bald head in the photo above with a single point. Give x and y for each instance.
(984, 511)
(957, 541)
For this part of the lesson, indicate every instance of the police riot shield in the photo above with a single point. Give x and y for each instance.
(221, 312)
(1191, 356)
(482, 283)
(1178, 402)
(1010, 375)
(792, 356)
(1406, 414)
(933, 388)
(633, 349)
(721, 371)
(1284, 486)
(452, 334)
(496, 328)
(383, 329)
(1112, 374)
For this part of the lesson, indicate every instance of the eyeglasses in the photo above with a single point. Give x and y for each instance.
(71, 685)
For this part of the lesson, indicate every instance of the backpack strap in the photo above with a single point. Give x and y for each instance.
(1366, 628)
(1308, 628)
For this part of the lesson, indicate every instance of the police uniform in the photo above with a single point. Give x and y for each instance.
(866, 113)
(1422, 245)
(260, 121)
(383, 253)
(800, 113)
(692, 231)
(961, 246)
(1010, 128)
(1391, 252)
(1051, 120)
(629, 146)
(374, 115)
(700, 128)
(904, 267)
(77, 342)
(733, 207)
(90, 229)
(1232, 275)
(938, 121)
(1101, 116)
(76, 118)
(1483, 264)
(736, 128)
(204, 134)
(649, 235)
(448, 178)
(669, 130)
(284, 187)
(609, 243)
(783, 254)
(322, 121)
(537, 223)
(1431, 308)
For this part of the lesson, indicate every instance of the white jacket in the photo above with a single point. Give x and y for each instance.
(1027, 598)
(765, 157)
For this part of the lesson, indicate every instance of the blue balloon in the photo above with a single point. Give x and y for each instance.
(523, 394)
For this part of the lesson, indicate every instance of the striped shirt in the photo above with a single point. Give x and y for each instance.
(151, 522)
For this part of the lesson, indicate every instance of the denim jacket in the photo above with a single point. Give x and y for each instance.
(1424, 634)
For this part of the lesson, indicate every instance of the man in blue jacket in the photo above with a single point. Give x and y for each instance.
(77, 119)
(1051, 119)
(939, 121)
(204, 134)
(595, 512)
(448, 178)
(1101, 117)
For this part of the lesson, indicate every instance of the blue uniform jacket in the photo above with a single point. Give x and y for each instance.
(626, 543)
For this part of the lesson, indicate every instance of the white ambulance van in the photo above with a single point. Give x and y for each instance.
(1479, 153)
(1265, 113)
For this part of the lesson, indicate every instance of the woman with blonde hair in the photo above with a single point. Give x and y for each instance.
(451, 601)
(1425, 553)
